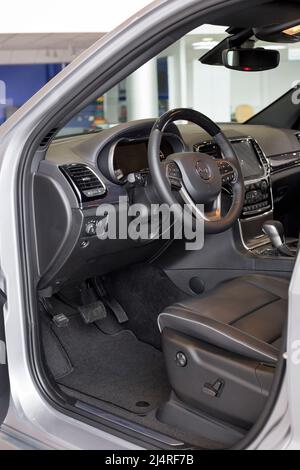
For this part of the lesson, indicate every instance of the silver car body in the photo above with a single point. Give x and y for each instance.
(32, 422)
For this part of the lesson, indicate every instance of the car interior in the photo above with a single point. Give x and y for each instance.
(178, 347)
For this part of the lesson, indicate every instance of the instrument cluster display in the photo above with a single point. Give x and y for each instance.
(132, 157)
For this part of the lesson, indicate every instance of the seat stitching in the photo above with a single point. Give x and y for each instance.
(273, 340)
(193, 310)
(254, 310)
(235, 340)
(266, 289)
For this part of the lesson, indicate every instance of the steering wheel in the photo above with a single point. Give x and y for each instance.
(197, 177)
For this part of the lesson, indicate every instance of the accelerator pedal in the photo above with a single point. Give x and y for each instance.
(110, 301)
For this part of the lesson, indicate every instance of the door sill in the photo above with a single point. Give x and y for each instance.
(129, 425)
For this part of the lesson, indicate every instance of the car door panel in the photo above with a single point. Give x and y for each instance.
(4, 379)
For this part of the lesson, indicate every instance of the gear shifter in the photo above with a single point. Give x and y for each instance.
(275, 231)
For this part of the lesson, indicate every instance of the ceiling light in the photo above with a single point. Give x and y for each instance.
(207, 39)
(294, 31)
(209, 29)
(275, 47)
(204, 45)
(294, 54)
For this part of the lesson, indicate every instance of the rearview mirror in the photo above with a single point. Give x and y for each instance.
(250, 60)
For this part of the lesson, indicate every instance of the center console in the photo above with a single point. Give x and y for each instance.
(245, 248)
(256, 172)
(258, 199)
(258, 203)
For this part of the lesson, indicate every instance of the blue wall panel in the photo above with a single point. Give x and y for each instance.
(23, 81)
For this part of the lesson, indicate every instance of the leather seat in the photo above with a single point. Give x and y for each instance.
(244, 316)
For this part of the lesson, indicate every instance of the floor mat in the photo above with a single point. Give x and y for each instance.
(144, 291)
(56, 357)
(117, 369)
(117, 373)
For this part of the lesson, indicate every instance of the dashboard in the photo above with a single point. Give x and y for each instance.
(247, 151)
(131, 156)
(81, 173)
(256, 172)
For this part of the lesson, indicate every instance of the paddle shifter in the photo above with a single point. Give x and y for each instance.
(275, 231)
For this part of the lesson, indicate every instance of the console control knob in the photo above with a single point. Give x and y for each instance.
(90, 229)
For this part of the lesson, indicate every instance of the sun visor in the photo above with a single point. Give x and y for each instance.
(284, 33)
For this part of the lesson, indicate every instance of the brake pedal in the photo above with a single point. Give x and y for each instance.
(93, 312)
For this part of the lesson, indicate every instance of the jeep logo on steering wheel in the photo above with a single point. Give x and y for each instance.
(203, 170)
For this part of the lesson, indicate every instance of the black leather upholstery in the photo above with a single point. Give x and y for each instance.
(244, 316)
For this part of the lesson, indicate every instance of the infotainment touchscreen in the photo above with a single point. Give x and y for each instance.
(251, 166)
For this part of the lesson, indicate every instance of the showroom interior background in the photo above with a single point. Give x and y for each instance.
(175, 79)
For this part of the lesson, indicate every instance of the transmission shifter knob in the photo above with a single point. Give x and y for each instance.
(275, 231)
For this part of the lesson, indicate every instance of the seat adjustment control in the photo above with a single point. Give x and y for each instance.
(214, 390)
(181, 359)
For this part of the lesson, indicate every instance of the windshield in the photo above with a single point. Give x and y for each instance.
(176, 78)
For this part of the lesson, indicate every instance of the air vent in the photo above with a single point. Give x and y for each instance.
(45, 142)
(209, 148)
(264, 160)
(86, 183)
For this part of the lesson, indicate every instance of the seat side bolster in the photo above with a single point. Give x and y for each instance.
(217, 334)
